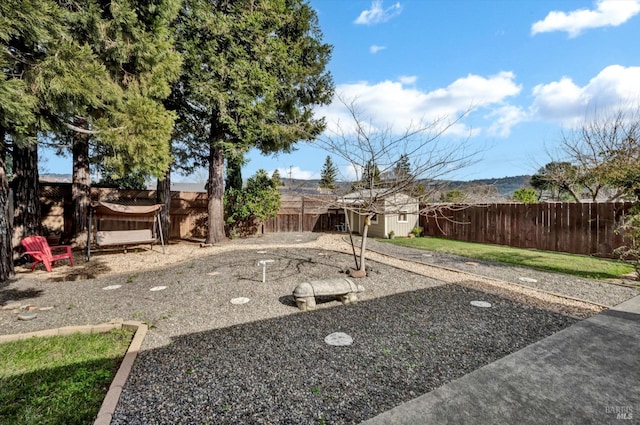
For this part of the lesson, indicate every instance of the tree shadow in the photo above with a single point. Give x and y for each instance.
(9, 295)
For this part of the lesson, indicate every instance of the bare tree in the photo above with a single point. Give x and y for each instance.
(365, 147)
(605, 152)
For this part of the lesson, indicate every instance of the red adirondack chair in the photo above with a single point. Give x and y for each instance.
(38, 248)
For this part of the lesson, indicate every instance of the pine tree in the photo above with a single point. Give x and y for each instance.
(370, 175)
(253, 73)
(275, 176)
(30, 31)
(403, 167)
(328, 174)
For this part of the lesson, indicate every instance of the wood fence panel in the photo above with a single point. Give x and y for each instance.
(588, 229)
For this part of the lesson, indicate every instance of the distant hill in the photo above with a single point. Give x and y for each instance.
(504, 185)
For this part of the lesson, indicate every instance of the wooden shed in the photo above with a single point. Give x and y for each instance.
(399, 213)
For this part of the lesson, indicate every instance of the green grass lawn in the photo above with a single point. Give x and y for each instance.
(578, 265)
(58, 380)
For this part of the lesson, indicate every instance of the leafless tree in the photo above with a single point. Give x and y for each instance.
(381, 186)
(605, 151)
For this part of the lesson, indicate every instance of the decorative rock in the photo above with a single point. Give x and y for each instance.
(358, 273)
(343, 289)
(338, 339)
(481, 304)
(158, 288)
(11, 306)
(239, 300)
(110, 287)
(528, 279)
(261, 252)
(48, 308)
(27, 315)
(213, 273)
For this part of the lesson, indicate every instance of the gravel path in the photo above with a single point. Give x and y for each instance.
(206, 360)
(599, 292)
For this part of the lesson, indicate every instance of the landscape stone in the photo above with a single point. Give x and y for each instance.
(343, 289)
(339, 339)
(27, 315)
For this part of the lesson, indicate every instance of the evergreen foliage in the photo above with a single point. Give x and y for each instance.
(253, 73)
(258, 202)
(403, 167)
(370, 175)
(277, 180)
(328, 174)
(525, 196)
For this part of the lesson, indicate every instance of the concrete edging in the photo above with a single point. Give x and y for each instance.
(110, 401)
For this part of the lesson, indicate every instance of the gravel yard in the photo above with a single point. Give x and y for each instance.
(206, 360)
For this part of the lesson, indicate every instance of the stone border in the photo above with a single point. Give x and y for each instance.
(110, 401)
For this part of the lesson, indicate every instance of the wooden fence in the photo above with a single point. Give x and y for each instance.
(303, 214)
(188, 209)
(587, 228)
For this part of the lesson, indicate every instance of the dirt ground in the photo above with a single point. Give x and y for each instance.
(141, 258)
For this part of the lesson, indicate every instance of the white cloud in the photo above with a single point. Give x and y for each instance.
(504, 118)
(377, 14)
(375, 49)
(295, 173)
(566, 102)
(351, 172)
(408, 79)
(396, 105)
(607, 13)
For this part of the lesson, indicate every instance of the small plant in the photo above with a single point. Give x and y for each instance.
(392, 234)
(315, 390)
(131, 277)
(417, 231)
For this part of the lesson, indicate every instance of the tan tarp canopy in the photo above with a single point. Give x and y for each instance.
(107, 208)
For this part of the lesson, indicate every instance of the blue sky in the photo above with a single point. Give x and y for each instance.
(529, 69)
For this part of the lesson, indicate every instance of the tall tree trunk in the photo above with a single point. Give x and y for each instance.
(163, 196)
(6, 222)
(80, 188)
(363, 244)
(27, 215)
(215, 193)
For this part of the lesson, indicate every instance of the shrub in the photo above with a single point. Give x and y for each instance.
(526, 196)
(630, 229)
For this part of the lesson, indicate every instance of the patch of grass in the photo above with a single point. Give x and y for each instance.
(58, 380)
(577, 265)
